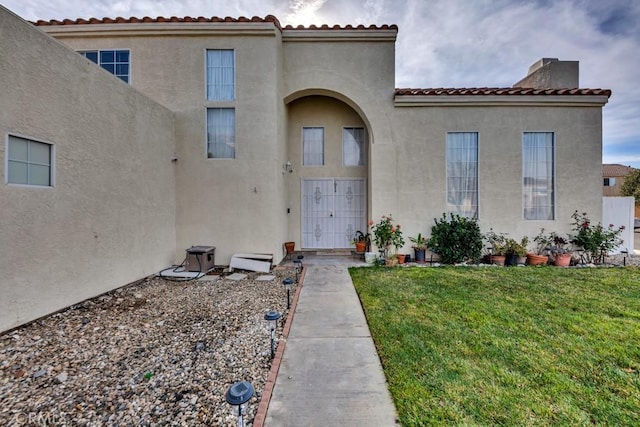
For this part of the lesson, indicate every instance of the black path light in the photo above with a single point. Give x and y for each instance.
(272, 320)
(237, 396)
(490, 249)
(624, 253)
(288, 282)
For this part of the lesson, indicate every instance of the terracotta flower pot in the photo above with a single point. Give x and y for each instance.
(562, 260)
(290, 246)
(361, 246)
(498, 259)
(401, 259)
(534, 259)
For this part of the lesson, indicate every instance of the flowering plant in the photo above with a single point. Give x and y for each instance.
(386, 233)
(595, 240)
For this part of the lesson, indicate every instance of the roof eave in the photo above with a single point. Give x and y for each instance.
(500, 100)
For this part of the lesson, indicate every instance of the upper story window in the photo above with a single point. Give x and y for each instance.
(29, 162)
(609, 182)
(221, 75)
(114, 61)
(462, 173)
(313, 146)
(538, 172)
(353, 146)
(221, 133)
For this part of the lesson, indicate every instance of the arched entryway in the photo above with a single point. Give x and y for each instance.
(328, 148)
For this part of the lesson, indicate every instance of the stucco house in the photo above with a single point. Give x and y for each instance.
(244, 134)
(613, 177)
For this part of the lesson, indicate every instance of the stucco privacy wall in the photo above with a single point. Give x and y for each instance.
(109, 219)
(421, 182)
(236, 204)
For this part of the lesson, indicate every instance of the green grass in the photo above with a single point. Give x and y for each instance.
(507, 346)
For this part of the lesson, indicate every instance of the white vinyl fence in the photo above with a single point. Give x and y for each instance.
(619, 211)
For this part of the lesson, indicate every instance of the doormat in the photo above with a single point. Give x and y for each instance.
(334, 252)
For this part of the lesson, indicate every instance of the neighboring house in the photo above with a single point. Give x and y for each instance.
(243, 134)
(613, 177)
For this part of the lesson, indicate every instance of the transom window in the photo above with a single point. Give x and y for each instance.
(29, 162)
(221, 133)
(220, 75)
(353, 146)
(462, 173)
(114, 61)
(313, 146)
(538, 175)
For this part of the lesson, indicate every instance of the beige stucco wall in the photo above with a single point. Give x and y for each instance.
(420, 147)
(236, 204)
(109, 219)
(332, 115)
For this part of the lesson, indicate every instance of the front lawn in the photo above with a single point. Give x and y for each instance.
(507, 346)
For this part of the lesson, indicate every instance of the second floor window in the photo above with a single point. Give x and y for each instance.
(538, 175)
(313, 146)
(114, 61)
(220, 75)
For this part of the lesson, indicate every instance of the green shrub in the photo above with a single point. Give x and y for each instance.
(456, 239)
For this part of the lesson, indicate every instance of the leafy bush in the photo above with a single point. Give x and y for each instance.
(595, 240)
(456, 239)
(386, 233)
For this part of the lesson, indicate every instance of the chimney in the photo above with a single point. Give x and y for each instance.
(550, 73)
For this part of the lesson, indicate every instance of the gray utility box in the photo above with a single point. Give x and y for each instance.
(200, 258)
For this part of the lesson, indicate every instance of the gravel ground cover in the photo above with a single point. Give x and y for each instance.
(152, 353)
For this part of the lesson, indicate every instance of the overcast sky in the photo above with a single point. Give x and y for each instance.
(450, 43)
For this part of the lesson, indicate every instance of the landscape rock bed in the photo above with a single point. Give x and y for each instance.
(152, 353)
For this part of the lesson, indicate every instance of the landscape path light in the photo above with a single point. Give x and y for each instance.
(624, 253)
(272, 321)
(288, 282)
(298, 265)
(237, 396)
(490, 249)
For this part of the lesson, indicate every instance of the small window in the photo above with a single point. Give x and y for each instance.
(221, 133)
(609, 182)
(29, 162)
(313, 146)
(353, 146)
(114, 61)
(220, 75)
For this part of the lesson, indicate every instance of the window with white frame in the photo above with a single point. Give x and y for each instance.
(313, 146)
(220, 75)
(221, 133)
(353, 146)
(29, 162)
(462, 173)
(609, 182)
(115, 61)
(538, 173)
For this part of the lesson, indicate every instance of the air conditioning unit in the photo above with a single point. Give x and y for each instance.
(200, 258)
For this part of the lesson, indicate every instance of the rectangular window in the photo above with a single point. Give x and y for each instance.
(353, 146)
(313, 146)
(462, 173)
(609, 182)
(220, 75)
(114, 61)
(538, 175)
(221, 133)
(29, 162)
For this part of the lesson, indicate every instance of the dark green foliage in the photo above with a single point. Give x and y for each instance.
(631, 185)
(456, 239)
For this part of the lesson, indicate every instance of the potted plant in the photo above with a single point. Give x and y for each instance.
(419, 247)
(497, 247)
(386, 234)
(539, 255)
(361, 241)
(560, 250)
(515, 252)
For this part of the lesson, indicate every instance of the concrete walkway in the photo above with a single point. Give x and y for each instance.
(330, 373)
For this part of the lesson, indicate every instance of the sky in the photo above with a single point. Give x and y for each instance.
(449, 43)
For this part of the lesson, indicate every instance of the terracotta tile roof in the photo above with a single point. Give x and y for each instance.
(499, 91)
(616, 170)
(268, 18)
